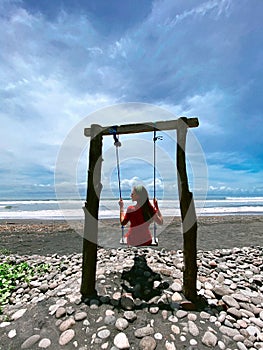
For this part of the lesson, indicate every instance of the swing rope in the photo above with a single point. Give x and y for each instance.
(117, 144)
(155, 138)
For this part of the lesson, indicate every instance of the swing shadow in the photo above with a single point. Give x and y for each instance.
(146, 288)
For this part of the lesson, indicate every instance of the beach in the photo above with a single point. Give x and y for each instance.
(60, 237)
(47, 311)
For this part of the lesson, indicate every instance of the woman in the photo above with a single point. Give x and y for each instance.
(140, 216)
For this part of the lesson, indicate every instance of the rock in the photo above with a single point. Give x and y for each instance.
(181, 314)
(130, 316)
(80, 316)
(121, 341)
(154, 309)
(28, 343)
(205, 315)
(220, 291)
(143, 332)
(61, 312)
(241, 346)
(169, 345)
(230, 301)
(44, 343)
(175, 329)
(103, 334)
(234, 312)
(121, 324)
(110, 320)
(209, 339)
(18, 314)
(253, 331)
(256, 321)
(127, 303)
(230, 332)
(176, 287)
(176, 296)
(44, 287)
(12, 333)
(66, 337)
(158, 336)
(4, 324)
(193, 329)
(147, 343)
(66, 324)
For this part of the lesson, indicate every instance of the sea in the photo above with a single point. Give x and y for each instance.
(73, 209)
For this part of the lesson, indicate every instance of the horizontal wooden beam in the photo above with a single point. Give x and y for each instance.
(145, 127)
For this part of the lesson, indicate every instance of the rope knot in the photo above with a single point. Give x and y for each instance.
(113, 131)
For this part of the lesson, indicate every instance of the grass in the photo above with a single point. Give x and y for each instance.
(4, 251)
(12, 275)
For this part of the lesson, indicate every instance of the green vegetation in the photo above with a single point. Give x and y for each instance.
(12, 275)
(4, 251)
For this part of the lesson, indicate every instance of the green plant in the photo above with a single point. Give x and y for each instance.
(12, 275)
(4, 251)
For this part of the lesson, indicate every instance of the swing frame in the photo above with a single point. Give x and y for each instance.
(94, 186)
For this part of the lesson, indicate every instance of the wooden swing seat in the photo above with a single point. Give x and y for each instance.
(154, 243)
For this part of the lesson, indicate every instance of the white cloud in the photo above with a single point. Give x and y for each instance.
(192, 59)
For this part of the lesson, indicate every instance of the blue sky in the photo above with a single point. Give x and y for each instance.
(65, 64)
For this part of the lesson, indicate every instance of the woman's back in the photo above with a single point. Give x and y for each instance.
(139, 232)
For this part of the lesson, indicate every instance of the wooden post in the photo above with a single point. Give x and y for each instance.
(91, 209)
(188, 215)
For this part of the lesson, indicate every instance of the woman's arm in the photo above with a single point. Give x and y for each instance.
(123, 220)
(158, 218)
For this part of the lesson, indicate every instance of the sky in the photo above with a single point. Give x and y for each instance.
(65, 65)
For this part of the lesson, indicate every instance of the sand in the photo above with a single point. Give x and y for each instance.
(27, 237)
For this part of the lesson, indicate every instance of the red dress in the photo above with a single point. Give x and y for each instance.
(138, 233)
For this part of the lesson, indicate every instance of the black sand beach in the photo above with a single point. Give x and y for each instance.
(58, 237)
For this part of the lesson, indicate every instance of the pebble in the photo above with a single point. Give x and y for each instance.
(66, 337)
(121, 324)
(18, 314)
(67, 324)
(121, 341)
(29, 342)
(147, 343)
(80, 316)
(230, 280)
(209, 339)
(143, 332)
(104, 334)
(11, 334)
(44, 343)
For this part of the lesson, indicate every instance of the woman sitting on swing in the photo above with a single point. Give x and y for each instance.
(140, 216)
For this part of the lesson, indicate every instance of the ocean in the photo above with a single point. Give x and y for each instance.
(72, 209)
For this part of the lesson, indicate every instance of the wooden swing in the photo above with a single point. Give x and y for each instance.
(187, 208)
(117, 144)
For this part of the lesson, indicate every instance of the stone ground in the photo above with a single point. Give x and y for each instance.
(48, 313)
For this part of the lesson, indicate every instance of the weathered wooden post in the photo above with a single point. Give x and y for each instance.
(188, 215)
(91, 209)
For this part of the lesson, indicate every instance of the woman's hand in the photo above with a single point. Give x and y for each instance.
(158, 218)
(121, 204)
(122, 215)
(155, 203)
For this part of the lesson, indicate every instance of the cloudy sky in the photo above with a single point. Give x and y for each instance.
(66, 64)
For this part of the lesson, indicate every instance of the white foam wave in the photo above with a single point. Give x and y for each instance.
(44, 214)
